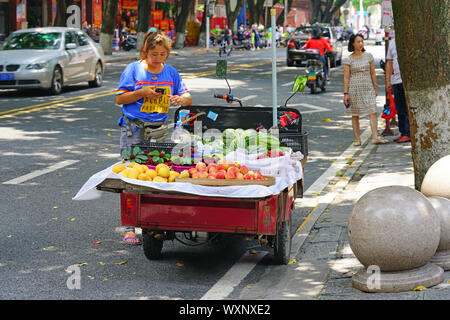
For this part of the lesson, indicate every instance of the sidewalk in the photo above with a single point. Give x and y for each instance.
(325, 263)
(126, 56)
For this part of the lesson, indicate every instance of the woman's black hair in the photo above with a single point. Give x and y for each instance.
(351, 47)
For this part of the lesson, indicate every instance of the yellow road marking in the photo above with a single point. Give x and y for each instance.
(55, 104)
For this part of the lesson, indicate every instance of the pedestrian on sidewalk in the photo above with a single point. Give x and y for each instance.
(394, 84)
(146, 90)
(360, 88)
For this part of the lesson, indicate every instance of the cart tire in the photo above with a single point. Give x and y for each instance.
(152, 246)
(282, 245)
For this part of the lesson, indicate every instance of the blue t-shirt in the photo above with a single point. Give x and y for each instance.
(135, 77)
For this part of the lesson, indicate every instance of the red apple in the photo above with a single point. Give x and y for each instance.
(233, 170)
(248, 176)
(224, 163)
(192, 171)
(244, 169)
(258, 175)
(220, 175)
(237, 164)
(230, 175)
(240, 176)
(211, 176)
(203, 175)
(200, 165)
(195, 175)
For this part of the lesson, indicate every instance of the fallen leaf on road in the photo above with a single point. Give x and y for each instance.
(48, 248)
(332, 160)
(9, 236)
(55, 207)
(73, 219)
(81, 264)
(339, 173)
(55, 218)
(91, 277)
(326, 119)
(178, 264)
(249, 287)
(420, 288)
(101, 263)
(108, 134)
(292, 261)
(317, 193)
(122, 262)
(98, 242)
(252, 251)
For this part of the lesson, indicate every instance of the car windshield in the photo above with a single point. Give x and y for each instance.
(307, 32)
(33, 40)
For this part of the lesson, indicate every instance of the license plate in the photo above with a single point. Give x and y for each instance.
(6, 76)
(311, 77)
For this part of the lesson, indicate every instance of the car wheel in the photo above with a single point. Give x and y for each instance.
(57, 81)
(98, 80)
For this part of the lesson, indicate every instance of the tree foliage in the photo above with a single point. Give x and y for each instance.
(324, 10)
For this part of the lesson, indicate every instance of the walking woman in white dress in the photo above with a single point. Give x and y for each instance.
(360, 88)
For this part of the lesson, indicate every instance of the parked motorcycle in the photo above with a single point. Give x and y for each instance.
(130, 42)
(241, 43)
(314, 71)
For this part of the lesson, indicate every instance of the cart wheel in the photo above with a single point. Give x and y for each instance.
(152, 246)
(282, 245)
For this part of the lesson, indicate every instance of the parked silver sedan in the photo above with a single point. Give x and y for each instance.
(50, 58)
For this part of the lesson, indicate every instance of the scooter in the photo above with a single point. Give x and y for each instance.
(314, 71)
(243, 43)
(129, 43)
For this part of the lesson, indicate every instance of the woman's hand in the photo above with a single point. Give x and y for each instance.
(149, 92)
(376, 91)
(346, 99)
(176, 100)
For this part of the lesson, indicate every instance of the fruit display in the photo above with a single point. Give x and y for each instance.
(217, 173)
(134, 170)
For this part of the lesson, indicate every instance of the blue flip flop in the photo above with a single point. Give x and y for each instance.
(131, 243)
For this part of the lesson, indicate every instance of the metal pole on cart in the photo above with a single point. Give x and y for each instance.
(274, 69)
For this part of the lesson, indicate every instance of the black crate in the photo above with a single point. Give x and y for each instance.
(295, 141)
(167, 147)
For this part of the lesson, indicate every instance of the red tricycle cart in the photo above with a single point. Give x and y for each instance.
(163, 214)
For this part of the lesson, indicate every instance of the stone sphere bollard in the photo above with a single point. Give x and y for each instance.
(437, 179)
(394, 230)
(442, 256)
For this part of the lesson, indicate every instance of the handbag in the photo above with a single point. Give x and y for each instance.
(389, 110)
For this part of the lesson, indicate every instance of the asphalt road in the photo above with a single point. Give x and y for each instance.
(43, 231)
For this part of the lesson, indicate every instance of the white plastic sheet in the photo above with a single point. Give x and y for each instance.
(89, 192)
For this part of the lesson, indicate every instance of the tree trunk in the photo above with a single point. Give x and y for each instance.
(108, 24)
(233, 14)
(255, 10)
(180, 22)
(421, 35)
(202, 35)
(60, 18)
(144, 13)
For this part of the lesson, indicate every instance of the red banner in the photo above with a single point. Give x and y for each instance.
(130, 4)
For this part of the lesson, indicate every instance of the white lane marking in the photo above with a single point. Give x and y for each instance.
(311, 106)
(38, 173)
(222, 289)
(305, 105)
(248, 97)
(288, 84)
(234, 276)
